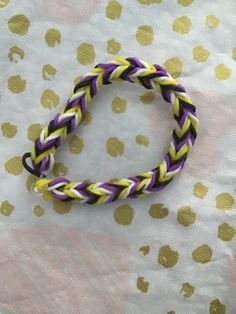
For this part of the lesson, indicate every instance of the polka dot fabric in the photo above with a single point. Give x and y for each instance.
(173, 252)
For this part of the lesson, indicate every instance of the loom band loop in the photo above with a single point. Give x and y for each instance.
(32, 170)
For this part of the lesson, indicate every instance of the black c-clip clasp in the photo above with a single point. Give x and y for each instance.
(28, 168)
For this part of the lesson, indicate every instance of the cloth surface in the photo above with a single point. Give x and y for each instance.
(172, 252)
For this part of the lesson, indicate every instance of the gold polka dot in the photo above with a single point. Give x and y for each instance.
(186, 216)
(187, 290)
(62, 207)
(87, 118)
(19, 24)
(88, 180)
(167, 257)
(16, 84)
(142, 140)
(113, 10)
(118, 105)
(174, 66)
(115, 147)
(59, 169)
(6, 208)
(234, 53)
(202, 254)
(48, 72)
(147, 98)
(226, 232)
(8, 130)
(145, 249)
(182, 25)
(142, 285)
(49, 99)
(216, 307)
(112, 180)
(15, 54)
(38, 210)
(86, 54)
(77, 79)
(222, 72)
(34, 131)
(158, 211)
(14, 165)
(76, 144)
(200, 54)
(200, 190)
(185, 3)
(30, 183)
(144, 35)
(3, 3)
(149, 2)
(224, 201)
(113, 46)
(124, 214)
(212, 21)
(53, 37)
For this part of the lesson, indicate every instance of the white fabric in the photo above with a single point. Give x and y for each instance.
(84, 261)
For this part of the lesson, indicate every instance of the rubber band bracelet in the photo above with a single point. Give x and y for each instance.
(151, 76)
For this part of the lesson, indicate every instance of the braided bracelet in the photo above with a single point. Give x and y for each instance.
(135, 71)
